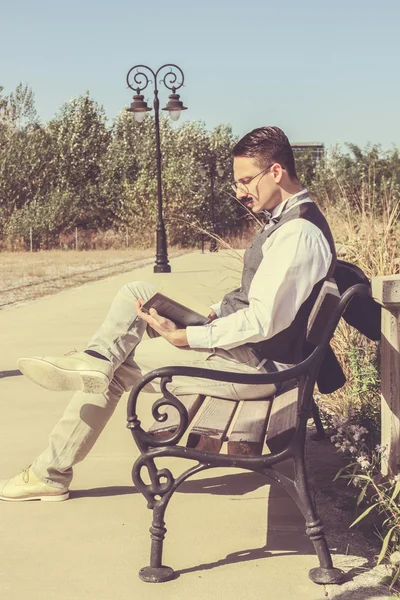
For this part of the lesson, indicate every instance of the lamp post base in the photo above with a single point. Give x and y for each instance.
(162, 269)
(162, 264)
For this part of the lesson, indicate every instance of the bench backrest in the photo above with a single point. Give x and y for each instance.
(326, 302)
(284, 415)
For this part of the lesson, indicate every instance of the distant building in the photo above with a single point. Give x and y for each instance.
(316, 149)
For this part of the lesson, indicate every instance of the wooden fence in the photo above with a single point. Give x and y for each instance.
(386, 291)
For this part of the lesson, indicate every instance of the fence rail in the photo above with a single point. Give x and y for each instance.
(386, 291)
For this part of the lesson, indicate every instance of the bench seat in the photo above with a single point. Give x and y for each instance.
(244, 425)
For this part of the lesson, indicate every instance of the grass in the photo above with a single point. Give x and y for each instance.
(29, 275)
(369, 235)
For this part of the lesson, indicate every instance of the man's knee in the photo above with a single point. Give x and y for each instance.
(139, 289)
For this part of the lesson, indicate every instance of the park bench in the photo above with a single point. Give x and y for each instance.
(257, 434)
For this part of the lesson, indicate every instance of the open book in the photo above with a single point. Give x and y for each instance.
(192, 312)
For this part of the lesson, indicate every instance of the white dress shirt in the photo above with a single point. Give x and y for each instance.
(295, 258)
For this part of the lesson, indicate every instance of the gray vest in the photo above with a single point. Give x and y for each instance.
(287, 346)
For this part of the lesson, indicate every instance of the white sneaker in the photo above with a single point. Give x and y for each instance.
(77, 371)
(27, 486)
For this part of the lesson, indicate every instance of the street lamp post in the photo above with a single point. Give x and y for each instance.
(211, 169)
(138, 80)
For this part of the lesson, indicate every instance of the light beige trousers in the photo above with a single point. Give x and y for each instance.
(118, 339)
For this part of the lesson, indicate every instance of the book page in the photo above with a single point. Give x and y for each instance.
(176, 293)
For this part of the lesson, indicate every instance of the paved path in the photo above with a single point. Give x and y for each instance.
(233, 536)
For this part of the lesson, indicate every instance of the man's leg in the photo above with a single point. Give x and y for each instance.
(92, 371)
(156, 353)
(85, 416)
(79, 428)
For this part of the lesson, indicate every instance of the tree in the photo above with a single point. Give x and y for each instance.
(81, 139)
(18, 108)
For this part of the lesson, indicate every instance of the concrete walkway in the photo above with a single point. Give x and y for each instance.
(231, 537)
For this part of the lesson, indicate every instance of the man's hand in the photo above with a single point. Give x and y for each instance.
(212, 316)
(166, 328)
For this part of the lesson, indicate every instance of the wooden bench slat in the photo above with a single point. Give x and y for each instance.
(247, 435)
(192, 402)
(208, 432)
(282, 421)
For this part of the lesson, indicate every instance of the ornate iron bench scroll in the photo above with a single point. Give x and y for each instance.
(280, 422)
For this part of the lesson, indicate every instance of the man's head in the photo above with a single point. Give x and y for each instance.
(264, 169)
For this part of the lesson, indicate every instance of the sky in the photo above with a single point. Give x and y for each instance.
(322, 71)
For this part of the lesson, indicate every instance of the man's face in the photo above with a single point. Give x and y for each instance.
(257, 188)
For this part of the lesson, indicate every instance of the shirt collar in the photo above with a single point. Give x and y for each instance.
(288, 203)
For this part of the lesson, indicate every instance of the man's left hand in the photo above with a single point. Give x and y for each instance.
(166, 328)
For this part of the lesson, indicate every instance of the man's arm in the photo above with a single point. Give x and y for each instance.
(295, 258)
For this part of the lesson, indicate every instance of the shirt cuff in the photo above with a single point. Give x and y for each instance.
(217, 308)
(198, 336)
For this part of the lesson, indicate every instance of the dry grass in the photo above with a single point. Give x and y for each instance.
(30, 275)
(368, 231)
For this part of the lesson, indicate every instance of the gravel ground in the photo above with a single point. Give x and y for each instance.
(353, 550)
(26, 276)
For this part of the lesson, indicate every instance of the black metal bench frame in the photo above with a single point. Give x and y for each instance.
(163, 484)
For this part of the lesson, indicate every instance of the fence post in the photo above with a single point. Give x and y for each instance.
(76, 238)
(386, 291)
(30, 238)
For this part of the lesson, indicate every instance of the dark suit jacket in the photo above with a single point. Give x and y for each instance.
(362, 313)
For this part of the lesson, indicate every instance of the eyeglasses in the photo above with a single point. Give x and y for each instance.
(243, 186)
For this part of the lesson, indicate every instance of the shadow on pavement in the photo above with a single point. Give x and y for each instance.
(236, 484)
(234, 557)
(12, 373)
(117, 490)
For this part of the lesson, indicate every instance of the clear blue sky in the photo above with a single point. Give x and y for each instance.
(323, 71)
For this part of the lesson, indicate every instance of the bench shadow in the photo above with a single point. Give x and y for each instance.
(285, 533)
(279, 540)
(233, 558)
(10, 373)
(236, 484)
(101, 492)
(284, 525)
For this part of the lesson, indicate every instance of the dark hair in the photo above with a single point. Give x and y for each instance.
(266, 145)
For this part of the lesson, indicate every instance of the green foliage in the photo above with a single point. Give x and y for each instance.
(77, 171)
(362, 179)
(363, 390)
(380, 494)
(20, 108)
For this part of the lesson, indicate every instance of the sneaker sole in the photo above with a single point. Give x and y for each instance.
(54, 498)
(57, 379)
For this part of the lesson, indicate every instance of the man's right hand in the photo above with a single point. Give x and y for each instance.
(212, 316)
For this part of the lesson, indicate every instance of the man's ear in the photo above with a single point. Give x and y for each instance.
(277, 171)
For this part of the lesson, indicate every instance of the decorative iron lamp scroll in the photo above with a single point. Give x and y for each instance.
(138, 80)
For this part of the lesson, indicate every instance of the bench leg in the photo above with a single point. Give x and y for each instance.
(157, 572)
(320, 433)
(326, 572)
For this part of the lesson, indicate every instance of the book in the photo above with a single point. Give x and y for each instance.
(180, 314)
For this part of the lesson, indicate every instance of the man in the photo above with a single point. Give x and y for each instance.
(260, 325)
